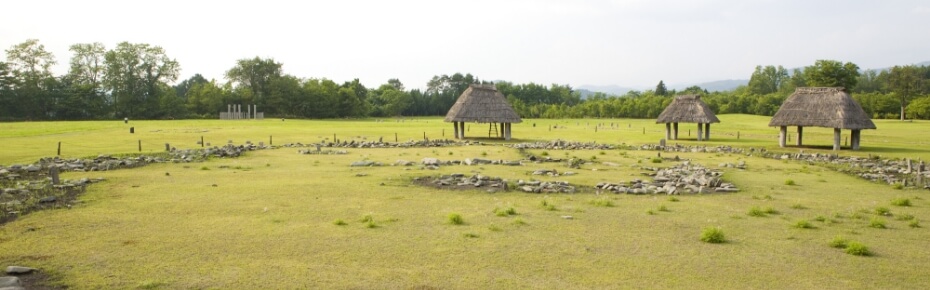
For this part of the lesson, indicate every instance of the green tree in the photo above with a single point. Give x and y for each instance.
(905, 82)
(255, 75)
(184, 86)
(135, 76)
(831, 73)
(87, 67)
(205, 99)
(31, 67)
(661, 90)
(767, 80)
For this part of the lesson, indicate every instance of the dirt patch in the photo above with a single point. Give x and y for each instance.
(37, 280)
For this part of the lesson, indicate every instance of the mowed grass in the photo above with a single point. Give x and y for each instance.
(269, 220)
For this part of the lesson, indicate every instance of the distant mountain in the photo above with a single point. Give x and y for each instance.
(610, 90)
(722, 85)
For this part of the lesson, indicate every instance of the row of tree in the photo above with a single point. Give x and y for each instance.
(133, 80)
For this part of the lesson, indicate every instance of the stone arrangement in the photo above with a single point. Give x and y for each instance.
(562, 145)
(681, 179)
(536, 186)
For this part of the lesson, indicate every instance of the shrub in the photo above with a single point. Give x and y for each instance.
(663, 208)
(914, 224)
(803, 224)
(838, 242)
(756, 212)
(898, 186)
(820, 218)
(371, 224)
(901, 202)
(650, 212)
(339, 222)
(544, 153)
(857, 249)
(505, 212)
(519, 222)
(656, 160)
(367, 218)
(877, 223)
(204, 168)
(713, 235)
(494, 228)
(455, 219)
(789, 182)
(882, 211)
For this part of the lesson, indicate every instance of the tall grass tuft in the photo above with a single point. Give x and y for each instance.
(857, 249)
(877, 223)
(713, 235)
(455, 219)
(838, 242)
(901, 202)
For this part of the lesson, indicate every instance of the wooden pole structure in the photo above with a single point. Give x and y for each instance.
(782, 135)
(201, 142)
(59, 148)
(140, 145)
(856, 137)
(700, 133)
(836, 138)
(706, 131)
(675, 127)
(668, 131)
(800, 135)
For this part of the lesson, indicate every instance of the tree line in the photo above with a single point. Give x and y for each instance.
(133, 80)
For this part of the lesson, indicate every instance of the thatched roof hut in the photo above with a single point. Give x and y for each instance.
(687, 109)
(829, 107)
(482, 104)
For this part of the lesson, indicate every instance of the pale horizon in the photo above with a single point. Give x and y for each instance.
(625, 43)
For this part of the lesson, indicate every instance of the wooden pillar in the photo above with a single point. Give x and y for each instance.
(782, 135)
(699, 132)
(856, 137)
(503, 131)
(800, 134)
(836, 138)
(456, 126)
(668, 131)
(507, 131)
(706, 131)
(675, 132)
(462, 129)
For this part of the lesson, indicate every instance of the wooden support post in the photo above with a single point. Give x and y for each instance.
(856, 138)
(836, 138)
(668, 131)
(140, 145)
(675, 133)
(503, 132)
(706, 131)
(395, 137)
(270, 140)
(59, 148)
(455, 125)
(782, 135)
(737, 135)
(800, 135)
(201, 142)
(700, 132)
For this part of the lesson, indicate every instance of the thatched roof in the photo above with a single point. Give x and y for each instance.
(482, 104)
(687, 109)
(829, 107)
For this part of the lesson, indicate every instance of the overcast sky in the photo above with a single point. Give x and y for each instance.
(619, 42)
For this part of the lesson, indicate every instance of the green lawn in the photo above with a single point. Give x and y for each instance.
(269, 221)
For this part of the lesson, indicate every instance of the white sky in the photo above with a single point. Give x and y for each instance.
(591, 42)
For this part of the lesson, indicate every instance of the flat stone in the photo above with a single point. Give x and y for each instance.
(430, 161)
(48, 199)
(19, 270)
(9, 281)
(33, 168)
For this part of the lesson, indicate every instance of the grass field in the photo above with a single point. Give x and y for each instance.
(277, 219)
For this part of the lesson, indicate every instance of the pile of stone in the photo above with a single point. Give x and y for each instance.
(481, 161)
(739, 165)
(477, 180)
(562, 145)
(12, 282)
(322, 152)
(873, 168)
(683, 178)
(536, 186)
(552, 172)
(692, 148)
(381, 144)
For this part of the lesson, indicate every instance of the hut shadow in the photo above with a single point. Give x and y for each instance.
(862, 149)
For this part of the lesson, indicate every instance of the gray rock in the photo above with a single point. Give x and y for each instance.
(9, 281)
(361, 163)
(33, 168)
(48, 199)
(477, 161)
(429, 161)
(19, 270)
